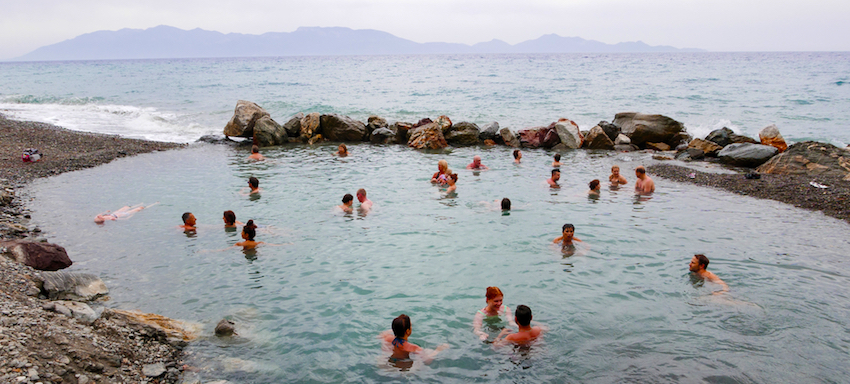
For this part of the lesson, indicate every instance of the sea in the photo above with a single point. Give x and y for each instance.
(310, 302)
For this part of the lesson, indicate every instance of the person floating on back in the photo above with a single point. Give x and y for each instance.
(644, 184)
(557, 162)
(124, 212)
(401, 348)
(476, 163)
(255, 153)
(526, 333)
(347, 203)
(188, 221)
(697, 267)
(553, 181)
(616, 178)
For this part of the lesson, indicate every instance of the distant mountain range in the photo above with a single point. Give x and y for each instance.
(164, 42)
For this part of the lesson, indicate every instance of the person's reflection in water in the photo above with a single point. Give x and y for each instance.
(568, 250)
(254, 197)
(250, 254)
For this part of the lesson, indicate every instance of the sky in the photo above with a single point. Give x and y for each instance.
(718, 25)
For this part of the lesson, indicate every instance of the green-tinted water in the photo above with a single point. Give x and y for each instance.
(310, 310)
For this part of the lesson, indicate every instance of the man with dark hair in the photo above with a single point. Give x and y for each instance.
(347, 202)
(644, 184)
(557, 162)
(188, 221)
(526, 332)
(506, 204)
(553, 181)
(254, 183)
(698, 265)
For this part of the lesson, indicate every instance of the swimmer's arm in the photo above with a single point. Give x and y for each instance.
(558, 239)
(724, 287)
(510, 317)
(428, 355)
(477, 322)
(502, 338)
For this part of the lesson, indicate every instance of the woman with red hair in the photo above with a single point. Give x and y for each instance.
(496, 315)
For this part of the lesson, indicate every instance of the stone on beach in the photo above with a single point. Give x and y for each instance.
(80, 311)
(508, 137)
(374, 123)
(658, 146)
(707, 147)
(382, 136)
(810, 158)
(597, 139)
(746, 154)
(610, 129)
(690, 154)
(463, 133)
(569, 133)
(165, 329)
(642, 128)
(490, 131)
(770, 135)
(244, 116)
(40, 256)
(342, 128)
(75, 286)
(622, 140)
(428, 136)
(725, 136)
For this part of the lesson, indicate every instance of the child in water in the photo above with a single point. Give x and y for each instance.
(249, 231)
(397, 338)
(566, 238)
(494, 312)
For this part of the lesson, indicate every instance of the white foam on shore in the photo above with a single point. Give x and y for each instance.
(699, 130)
(123, 120)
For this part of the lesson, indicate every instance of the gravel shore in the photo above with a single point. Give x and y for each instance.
(38, 345)
(790, 189)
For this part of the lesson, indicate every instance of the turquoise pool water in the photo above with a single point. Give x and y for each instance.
(623, 310)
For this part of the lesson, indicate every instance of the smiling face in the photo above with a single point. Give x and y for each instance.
(494, 303)
(694, 265)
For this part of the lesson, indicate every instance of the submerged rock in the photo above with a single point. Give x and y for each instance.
(40, 256)
(810, 158)
(746, 154)
(244, 116)
(225, 328)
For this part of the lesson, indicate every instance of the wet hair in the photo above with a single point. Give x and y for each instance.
(506, 203)
(516, 153)
(186, 216)
(593, 184)
(255, 149)
(250, 229)
(361, 192)
(557, 157)
(443, 165)
(453, 176)
(254, 182)
(615, 166)
(493, 292)
(702, 260)
(522, 315)
(347, 198)
(400, 325)
(564, 228)
(640, 169)
(344, 148)
(229, 217)
(555, 170)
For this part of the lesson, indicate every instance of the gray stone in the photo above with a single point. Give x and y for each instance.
(83, 379)
(342, 128)
(268, 132)
(810, 158)
(508, 137)
(244, 116)
(463, 133)
(626, 148)
(375, 122)
(490, 131)
(225, 328)
(153, 370)
(80, 311)
(707, 147)
(61, 285)
(597, 139)
(622, 139)
(293, 125)
(401, 130)
(569, 133)
(611, 130)
(642, 128)
(746, 154)
(382, 136)
(690, 154)
(724, 136)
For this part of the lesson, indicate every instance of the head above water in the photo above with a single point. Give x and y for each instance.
(249, 231)
(187, 218)
(347, 198)
(517, 153)
(255, 149)
(229, 217)
(594, 184)
(568, 226)
(254, 182)
(640, 170)
(442, 166)
(522, 315)
(400, 325)
(554, 171)
(361, 194)
(492, 293)
(506, 204)
(557, 157)
(699, 261)
(342, 148)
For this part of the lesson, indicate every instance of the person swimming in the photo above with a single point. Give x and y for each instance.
(492, 313)
(557, 162)
(188, 222)
(249, 232)
(517, 156)
(526, 333)
(401, 347)
(342, 150)
(450, 181)
(616, 178)
(230, 220)
(506, 204)
(255, 153)
(124, 212)
(595, 189)
(442, 167)
(347, 203)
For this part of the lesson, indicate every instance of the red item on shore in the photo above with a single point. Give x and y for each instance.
(31, 155)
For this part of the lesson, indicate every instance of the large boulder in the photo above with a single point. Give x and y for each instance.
(268, 132)
(642, 129)
(690, 154)
(770, 135)
(62, 285)
(310, 124)
(549, 136)
(530, 137)
(490, 131)
(569, 133)
(707, 147)
(293, 126)
(508, 137)
(244, 116)
(463, 133)
(375, 122)
(444, 123)
(725, 136)
(382, 136)
(810, 158)
(164, 329)
(401, 131)
(597, 139)
(611, 130)
(746, 154)
(342, 128)
(40, 256)
(428, 136)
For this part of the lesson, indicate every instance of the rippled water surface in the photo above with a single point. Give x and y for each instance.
(622, 310)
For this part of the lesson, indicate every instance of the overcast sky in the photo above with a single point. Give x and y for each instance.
(717, 25)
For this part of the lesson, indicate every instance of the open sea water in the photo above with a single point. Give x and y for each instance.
(310, 307)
